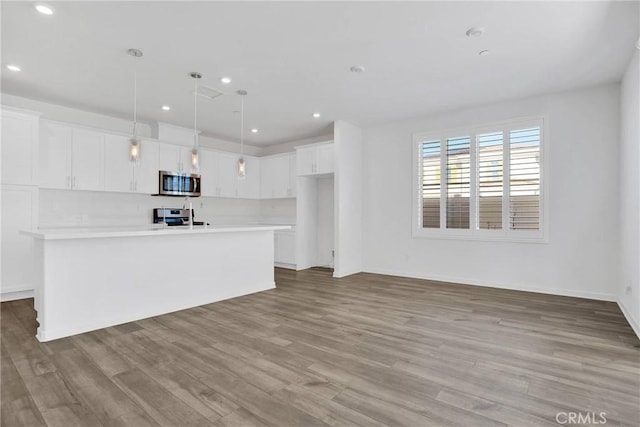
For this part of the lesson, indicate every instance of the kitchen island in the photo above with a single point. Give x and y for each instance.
(94, 278)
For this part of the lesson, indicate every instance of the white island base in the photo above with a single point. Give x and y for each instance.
(91, 280)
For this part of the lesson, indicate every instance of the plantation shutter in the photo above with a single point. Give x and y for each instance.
(431, 183)
(458, 182)
(524, 179)
(490, 176)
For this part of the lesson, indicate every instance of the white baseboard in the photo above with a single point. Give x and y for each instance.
(465, 281)
(635, 325)
(14, 295)
(285, 265)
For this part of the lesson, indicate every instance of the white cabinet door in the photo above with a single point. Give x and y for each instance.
(268, 171)
(169, 158)
(88, 160)
(249, 188)
(305, 161)
(55, 155)
(315, 160)
(146, 171)
(18, 213)
(228, 175)
(19, 148)
(282, 178)
(278, 176)
(324, 159)
(291, 189)
(209, 173)
(118, 168)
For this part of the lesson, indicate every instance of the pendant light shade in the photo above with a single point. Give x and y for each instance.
(134, 150)
(242, 166)
(195, 154)
(134, 142)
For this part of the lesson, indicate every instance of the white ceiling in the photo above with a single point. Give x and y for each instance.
(294, 58)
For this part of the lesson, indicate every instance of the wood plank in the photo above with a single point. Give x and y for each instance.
(366, 350)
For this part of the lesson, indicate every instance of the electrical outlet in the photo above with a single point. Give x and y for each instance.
(628, 290)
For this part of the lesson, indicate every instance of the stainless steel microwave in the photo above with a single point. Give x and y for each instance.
(179, 184)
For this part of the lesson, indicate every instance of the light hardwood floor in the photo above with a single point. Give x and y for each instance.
(366, 350)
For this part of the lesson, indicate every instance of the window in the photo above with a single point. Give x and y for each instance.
(492, 187)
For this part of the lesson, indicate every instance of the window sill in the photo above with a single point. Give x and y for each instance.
(538, 238)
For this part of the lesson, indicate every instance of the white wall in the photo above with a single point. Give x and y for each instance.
(580, 257)
(629, 290)
(348, 176)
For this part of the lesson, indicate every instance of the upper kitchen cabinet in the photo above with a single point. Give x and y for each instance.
(249, 187)
(71, 158)
(123, 175)
(315, 159)
(175, 158)
(219, 173)
(19, 147)
(227, 175)
(278, 176)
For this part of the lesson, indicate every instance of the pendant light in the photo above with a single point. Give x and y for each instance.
(134, 142)
(195, 154)
(242, 166)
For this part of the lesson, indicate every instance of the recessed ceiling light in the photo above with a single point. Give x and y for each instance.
(13, 67)
(357, 69)
(43, 9)
(316, 115)
(225, 80)
(166, 107)
(475, 32)
(254, 130)
(483, 53)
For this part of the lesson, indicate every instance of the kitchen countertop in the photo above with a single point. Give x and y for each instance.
(107, 232)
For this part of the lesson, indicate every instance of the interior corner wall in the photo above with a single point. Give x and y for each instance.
(580, 258)
(629, 211)
(348, 200)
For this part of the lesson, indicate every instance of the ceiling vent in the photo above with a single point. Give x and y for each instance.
(208, 92)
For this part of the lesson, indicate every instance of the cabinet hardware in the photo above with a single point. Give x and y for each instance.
(75, 182)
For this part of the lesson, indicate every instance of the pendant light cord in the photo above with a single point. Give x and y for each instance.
(195, 115)
(135, 102)
(242, 126)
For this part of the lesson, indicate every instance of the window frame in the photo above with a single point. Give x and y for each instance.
(473, 232)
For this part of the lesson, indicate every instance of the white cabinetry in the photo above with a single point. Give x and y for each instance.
(285, 248)
(249, 187)
(219, 172)
(227, 175)
(19, 212)
(315, 159)
(174, 158)
(19, 148)
(278, 176)
(123, 175)
(71, 158)
(19, 202)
